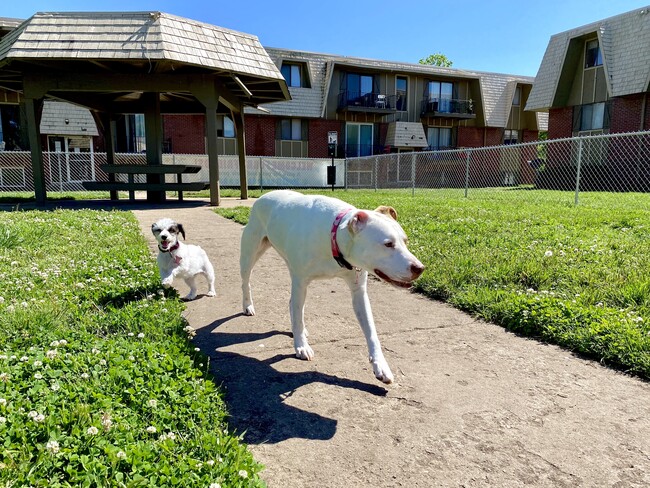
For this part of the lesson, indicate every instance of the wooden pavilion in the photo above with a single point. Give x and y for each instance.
(138, 62)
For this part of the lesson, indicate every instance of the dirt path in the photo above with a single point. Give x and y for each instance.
(472, 405)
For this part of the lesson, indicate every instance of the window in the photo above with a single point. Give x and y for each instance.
(401, 92)
(439, 138)
(593, 56)
(225, 126)
(358, 86)
(291, 129)
(516, 99)
(592, 117)
(510, 136)
(358, 140)
(442, 93)
(293, 74)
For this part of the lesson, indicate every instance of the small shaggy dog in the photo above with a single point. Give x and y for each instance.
(176, 259)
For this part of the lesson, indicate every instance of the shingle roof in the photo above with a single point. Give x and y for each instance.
(149, 36)
(310, 102)
(80, 122)
(625, 46)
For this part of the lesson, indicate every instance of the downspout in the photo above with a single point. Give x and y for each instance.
(643, 110)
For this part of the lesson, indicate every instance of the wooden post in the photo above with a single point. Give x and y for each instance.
(33, 109)
(205, 90)
(241, 150)
(154, 137)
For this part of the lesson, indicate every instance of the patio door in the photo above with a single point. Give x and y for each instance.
(358, 140)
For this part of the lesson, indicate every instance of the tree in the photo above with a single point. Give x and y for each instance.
(437, 59)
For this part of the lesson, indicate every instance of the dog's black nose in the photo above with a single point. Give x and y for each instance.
(163, 238)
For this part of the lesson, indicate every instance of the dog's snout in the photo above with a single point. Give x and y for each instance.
(417, 269)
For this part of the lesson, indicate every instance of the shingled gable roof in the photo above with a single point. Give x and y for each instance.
(625, 46)
(310, 102)
(145, 42)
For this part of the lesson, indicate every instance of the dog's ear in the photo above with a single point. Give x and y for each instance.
(153, 228)
(386, 210)
(181, 230)
(358, 222)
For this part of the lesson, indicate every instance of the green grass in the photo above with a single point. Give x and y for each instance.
(534, 263)
(100, 384)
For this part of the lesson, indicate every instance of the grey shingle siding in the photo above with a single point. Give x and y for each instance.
(625, 46)
(55, 113)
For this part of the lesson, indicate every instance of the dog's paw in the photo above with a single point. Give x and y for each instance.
(305, 352)
(189, 297)
(212, 293)
(382, 371)
(250, 310)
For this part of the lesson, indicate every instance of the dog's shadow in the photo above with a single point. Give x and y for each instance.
(255, 392)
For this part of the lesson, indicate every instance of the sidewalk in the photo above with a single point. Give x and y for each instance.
(472, 405)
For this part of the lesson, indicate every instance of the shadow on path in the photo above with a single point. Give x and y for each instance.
(256, 392)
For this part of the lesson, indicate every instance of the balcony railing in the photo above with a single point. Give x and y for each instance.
(359, 150)
(447, 107)
(366, 102)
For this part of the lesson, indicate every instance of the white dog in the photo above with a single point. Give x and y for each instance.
(322, 237)
(177, 259)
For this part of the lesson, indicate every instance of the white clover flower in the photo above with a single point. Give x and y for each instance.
(38, 376)
(140, 335)
(151, 429)
(548, 254)
(52, 446)
(63, 342)
(210, 462)
(131, 358)
(92, 430)
(80, 285)
(121, 455)
(39, 418)
(38, 364)
(197, 349)
(55, 387)
(24, 359)
(2, 299)
(85, 376)
(95, 350)
(51, 353)
(107, 423)
(24, 304)
(130, 334)
(3, 401)
(215, 485)
(32, 414)
(10, 308)
(102, 362)
(3, 420)
(152, 403)
(243, 473)
(54, 344)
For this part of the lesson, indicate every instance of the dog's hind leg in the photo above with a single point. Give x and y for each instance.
(297, 311)
(253, 244)
(361, 304)
(191, 282)
(209, 274)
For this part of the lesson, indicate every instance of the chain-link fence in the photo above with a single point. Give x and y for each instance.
(617, 162)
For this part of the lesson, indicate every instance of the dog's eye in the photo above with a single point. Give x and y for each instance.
(390, 244)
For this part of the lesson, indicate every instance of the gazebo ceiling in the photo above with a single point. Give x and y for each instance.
(108, 59)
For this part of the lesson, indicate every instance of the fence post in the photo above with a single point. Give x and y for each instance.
(261, 177)
(345, 174)
(376, 171)
(579, 163)
(469, 155)
(413, 174)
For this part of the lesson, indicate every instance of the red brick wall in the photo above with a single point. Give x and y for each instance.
(469, 137)
(260, 135)
(560, 122)
(318, 129)
(626, 114)
(185, 132)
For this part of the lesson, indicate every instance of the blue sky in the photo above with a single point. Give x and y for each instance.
(485, 35)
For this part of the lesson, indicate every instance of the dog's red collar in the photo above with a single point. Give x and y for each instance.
(173, 248)
(336, 252)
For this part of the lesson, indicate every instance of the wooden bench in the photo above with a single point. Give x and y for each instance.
(137, 169)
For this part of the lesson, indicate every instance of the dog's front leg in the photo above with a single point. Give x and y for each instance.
(167, 277)
(361, 304)
(297, 311)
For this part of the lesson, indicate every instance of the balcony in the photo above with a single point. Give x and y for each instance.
(449, 108)
(378, 103)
